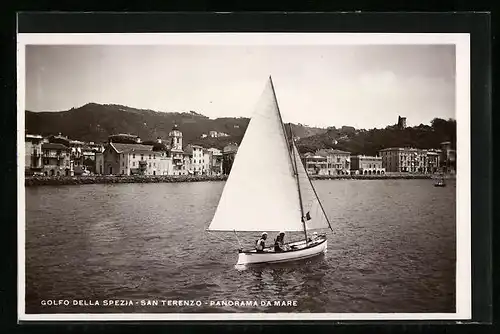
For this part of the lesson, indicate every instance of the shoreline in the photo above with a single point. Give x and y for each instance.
(108, 179)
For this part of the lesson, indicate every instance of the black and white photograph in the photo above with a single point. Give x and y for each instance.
(271, 176)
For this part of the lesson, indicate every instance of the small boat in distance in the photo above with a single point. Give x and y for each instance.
(440, 183)
(269, 190)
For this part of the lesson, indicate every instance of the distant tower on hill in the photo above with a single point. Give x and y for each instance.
(401, 122)
(175, 136)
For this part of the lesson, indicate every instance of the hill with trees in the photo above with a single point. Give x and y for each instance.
(370, 142)
(95, 122)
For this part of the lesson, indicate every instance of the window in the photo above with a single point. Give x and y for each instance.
(123, 163)
(150, 164)
(150, 156)
(133, 163)
(142, 156)
(133, 155)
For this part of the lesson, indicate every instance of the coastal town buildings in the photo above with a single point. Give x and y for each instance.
(56, 159)
(127, 154)
(315, 164)
(197, 159)
(135, 159)
(366, 165)
(448, 157)
(215, 156)
(410, 160)
(206, 162)
(214, 134)
(186, 163)
(176, 151)
(99, 163)
(33, 154)
(433, 161)
(338, 161)
(228, 155)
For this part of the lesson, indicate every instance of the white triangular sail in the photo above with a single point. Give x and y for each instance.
(310, 201)
(261, 192)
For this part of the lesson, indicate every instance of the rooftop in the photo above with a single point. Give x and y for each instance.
(331, 151)
(126, 148)
(401, 149)
(366, 157)
(54, 146)
(28, 136)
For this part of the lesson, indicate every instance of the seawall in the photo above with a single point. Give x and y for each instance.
(107, 179)
(372, 177)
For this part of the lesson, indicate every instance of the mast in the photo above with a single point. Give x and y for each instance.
(298, 187)
(293, 161)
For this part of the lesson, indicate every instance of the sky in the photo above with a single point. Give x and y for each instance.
(365, 86)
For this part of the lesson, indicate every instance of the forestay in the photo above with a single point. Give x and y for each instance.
(261, 191)
(310, 201)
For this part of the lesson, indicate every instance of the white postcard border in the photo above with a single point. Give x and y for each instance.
(463, 204)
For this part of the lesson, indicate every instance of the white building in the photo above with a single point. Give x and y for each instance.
(135, 159)
(197, 159)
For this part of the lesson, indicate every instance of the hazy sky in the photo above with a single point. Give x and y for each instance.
(361, 86)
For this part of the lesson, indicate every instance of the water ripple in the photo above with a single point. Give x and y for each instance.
(392, 250)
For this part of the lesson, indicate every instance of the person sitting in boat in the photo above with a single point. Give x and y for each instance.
(261, 243)
(314, 236)
(279, 242)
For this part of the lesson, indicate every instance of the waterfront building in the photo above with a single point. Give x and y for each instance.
(206, 162)
(338, 161)
(448, 157)
(366, 165)
(33, 154)
(410, 160)
(186, 163)
(228, 155)
(176, 152)
(89, 156)
(215, 156)
(76, 156)
(197, 161)
(212, 134)
(315, 164)
(433, 161)
(99, 163)
(135, 159)
(56, 159)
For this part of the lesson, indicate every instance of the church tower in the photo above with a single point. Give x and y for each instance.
(401, 122)
(175, 136)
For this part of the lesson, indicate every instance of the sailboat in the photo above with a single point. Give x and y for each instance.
(269, 190)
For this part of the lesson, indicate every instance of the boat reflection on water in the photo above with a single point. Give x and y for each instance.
(281, 282)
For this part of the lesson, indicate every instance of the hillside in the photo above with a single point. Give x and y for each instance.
(95, 122)
(370, 142)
